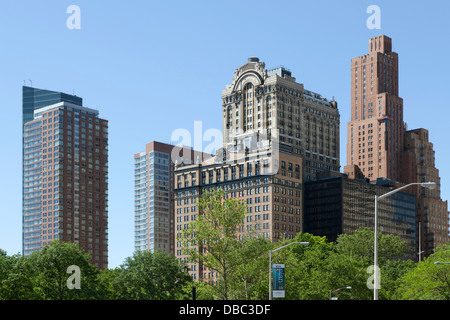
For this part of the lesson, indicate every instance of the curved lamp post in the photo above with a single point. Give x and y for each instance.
(429, 185)
(270, 263)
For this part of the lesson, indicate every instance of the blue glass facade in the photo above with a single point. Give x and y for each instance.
(34, 98)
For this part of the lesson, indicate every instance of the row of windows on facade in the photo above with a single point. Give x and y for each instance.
(236, 96)
(281, 107)
(240, 185)
(76, 114)
(233, 194)
(281, 122)
(384, 57)
(257, 217)
(59, 141)
(290, 166)
(250, 209)
(75, 122)
(289, 201)
(250, 227)
(61, 112)
(35, 179)
(211, 180)
(282, 96)
(231, 186)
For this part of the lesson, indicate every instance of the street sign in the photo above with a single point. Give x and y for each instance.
(278, 281)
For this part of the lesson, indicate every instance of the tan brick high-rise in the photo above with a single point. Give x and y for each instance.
(375, 132)
(432, 219)
(270, 185)
(378, 145)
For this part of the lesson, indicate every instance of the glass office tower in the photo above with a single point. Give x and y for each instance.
(338, 205)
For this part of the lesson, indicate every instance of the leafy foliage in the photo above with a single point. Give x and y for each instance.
(44, 275)
(428, 281)
(50, 272)
(240, 259)
(212, 239)
(149, 276)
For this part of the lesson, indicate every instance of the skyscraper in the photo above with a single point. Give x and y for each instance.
(375, 132)
(33, 99)
(65, 179)
(153, 211)
(153, 196)
(260, 101)
(379, 146)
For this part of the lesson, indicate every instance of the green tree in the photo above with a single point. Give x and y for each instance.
(344, 271)
(149, 276)
(317, 271)
(250, 277)
(211, 238)
(16, 283)
(50, 272)
(428, 281)
(5, 265)
(5, 269)
(360, 244)
(105, 285)
(304, 266)
(392, 274)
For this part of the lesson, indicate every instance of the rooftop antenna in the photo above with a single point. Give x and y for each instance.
(31, 82)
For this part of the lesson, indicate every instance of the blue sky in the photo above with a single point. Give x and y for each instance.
(137, 60)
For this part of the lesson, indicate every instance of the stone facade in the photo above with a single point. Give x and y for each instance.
(261, 101)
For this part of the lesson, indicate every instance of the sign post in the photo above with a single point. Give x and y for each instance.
(280, 274)
(278, 281)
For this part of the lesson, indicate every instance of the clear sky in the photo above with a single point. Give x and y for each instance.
(151, 67)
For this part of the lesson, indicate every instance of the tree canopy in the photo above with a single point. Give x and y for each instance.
(239, 260)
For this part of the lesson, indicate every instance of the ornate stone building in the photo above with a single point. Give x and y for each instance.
(260, 102)
(276, 135)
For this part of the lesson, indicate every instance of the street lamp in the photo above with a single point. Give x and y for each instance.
(270, 263)
(429, 185)
(441, 262)
(338, 290)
